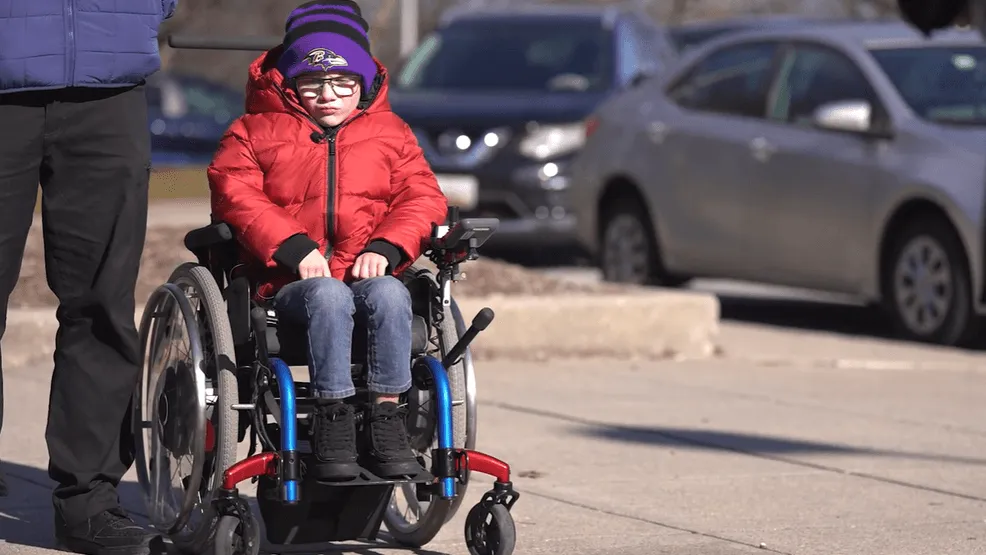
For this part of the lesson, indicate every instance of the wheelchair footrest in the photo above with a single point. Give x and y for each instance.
(327, 511)
(367, 478)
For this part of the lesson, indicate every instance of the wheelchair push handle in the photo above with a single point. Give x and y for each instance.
(212, 42)
(480, 322)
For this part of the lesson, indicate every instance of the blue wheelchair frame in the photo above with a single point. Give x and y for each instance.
(289, 419)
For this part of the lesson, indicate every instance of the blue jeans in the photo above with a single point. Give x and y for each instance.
(329, 309)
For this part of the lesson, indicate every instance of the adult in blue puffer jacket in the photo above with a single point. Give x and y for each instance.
(73, 114)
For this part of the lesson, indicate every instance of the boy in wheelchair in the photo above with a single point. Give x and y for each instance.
(329, 195)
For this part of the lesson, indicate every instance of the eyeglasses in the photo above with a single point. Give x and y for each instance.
(313, 86)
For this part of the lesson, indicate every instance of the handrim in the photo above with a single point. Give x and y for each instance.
(153, 496)
(437, 511)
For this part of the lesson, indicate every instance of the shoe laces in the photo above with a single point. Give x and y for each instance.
(117, 519)
(332, 433)
(389, 434)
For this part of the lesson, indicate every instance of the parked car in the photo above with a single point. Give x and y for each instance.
(691, 34)
(848, 158)
(187, 116)
(498, 99)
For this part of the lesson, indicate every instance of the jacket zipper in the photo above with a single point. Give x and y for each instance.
(330, 208)
(330, 137)
(70, 43)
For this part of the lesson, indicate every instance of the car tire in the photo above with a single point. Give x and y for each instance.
(628, 247)
(928, 285)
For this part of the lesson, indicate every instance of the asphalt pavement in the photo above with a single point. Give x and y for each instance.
(790, 452)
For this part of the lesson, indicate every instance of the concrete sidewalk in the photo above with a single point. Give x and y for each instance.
(692, 458)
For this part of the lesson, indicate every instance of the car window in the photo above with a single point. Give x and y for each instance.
(812, 76)
(512, 54)
(943, 84)
(642, 50)
(732, 80)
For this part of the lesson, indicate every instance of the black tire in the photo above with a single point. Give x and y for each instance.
(439, 511)
(628, 251)
(490, 532)
(943, 313)
(220, 360)
(229, 538)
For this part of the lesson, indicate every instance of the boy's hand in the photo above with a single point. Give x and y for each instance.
(314, 265)
(370, 264)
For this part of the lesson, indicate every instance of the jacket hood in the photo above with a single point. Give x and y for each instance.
(267, 92)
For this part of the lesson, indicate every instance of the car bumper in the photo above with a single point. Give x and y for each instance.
(533, 208)
(533, 233)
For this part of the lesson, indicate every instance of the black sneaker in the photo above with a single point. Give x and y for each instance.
(108, 533)
(334, 442)
(389, 453)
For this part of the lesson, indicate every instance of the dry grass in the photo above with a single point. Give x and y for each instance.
(171, 183)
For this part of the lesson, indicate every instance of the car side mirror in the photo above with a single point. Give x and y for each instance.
(854, 116)
(851, 116)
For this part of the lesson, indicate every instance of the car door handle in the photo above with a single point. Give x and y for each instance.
(762, 150)
(657, 131)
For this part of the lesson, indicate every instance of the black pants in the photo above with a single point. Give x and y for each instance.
(90, 151)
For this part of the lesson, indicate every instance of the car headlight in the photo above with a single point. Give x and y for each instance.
(548, 141)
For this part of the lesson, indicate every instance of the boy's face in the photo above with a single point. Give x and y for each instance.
(329, 97)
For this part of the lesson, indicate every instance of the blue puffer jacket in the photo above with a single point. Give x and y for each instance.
(51, 44)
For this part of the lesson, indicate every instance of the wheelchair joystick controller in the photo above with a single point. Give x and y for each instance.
(480, 322)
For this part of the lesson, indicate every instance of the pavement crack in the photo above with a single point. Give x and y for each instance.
(724, 447)
(643, 520)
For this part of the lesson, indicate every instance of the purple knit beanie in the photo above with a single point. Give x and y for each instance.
(327, 35)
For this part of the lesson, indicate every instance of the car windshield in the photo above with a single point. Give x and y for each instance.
(943, 84)
(183, 97)
(512, 55)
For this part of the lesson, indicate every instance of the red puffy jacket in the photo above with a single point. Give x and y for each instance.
(287, 186)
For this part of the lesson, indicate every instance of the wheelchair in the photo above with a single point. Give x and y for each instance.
(217, 370)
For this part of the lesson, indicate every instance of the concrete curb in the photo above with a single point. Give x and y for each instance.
(648, 324)
(641, 325)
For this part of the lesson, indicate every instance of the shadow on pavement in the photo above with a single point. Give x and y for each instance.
(26, 516)
(812, 315)
(760, 445)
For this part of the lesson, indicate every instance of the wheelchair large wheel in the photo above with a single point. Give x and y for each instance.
(414, 519)
(185, 426)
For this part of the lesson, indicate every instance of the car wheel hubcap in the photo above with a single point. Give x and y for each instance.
(923, 285)
(625, 258)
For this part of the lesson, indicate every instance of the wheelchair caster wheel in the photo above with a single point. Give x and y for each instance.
(231, 539)
(490, 531)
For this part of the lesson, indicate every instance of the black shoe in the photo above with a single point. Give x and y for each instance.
(108, 533)
(334, 442)
(389, 453)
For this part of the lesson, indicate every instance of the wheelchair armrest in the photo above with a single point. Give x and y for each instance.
(208, 237)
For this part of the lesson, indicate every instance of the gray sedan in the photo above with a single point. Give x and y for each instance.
(843, 157)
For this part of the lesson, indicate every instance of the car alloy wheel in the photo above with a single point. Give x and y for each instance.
(927, 283)
(626, 250)
(923, 285)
